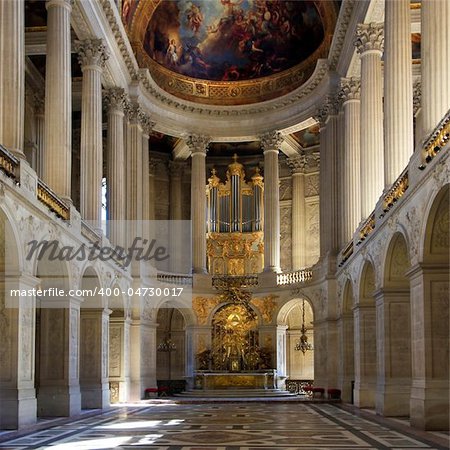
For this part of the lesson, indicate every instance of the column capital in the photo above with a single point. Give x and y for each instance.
(176, 169)
(271, 141)
(133, 111)
(146, 123)
(61, 3)
(114, 99)
(369, 37)
(91, 52)
(197, 143)
(297, 164)
(350, 89)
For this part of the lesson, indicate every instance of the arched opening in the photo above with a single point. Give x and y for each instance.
(394, 333)
(56, 335)
(295, 321)
(430, 321)
(94, 333)
(171, 349)
(346, 377)
(119, 347)
(365, 340)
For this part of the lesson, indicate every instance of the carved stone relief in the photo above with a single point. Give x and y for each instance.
(311, 185)
(286, 238)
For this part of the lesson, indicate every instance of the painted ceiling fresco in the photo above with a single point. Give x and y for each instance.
(231, 40)
(309, 137)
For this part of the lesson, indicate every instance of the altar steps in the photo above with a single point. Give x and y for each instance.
(236, 394)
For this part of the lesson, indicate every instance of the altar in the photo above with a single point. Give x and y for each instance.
(263, 379)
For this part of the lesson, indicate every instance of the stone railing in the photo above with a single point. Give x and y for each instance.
(9, 164)
(397, 191)
(52, 201)
(236, 281)
(298, 276)
(438, 139)
(172, 278)
(346, 253)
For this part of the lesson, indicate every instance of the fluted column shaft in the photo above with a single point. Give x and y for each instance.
(147, 126)
(297, 166)
(352, 176)
(435, 54)
(115, 166)
(152, 197)
(134, 172)
(198, 146)
(57, 158)
(398, 89)
(92, 57)
(271, 143)
(369, 44)
(12, 75)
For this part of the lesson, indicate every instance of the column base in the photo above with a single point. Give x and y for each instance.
(430, 407)
(392, 400)
(136, 391)
(364, 395)
(18, 408)
(346, 390)
(59, 401)
(95, 396)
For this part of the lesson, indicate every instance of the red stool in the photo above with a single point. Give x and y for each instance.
(163, 390)
(149, 391)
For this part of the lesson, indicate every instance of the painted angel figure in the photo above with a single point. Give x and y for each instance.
(195, 17)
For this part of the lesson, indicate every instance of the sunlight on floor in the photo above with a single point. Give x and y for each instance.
(93, 444)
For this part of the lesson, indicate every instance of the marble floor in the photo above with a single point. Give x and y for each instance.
(169, 425)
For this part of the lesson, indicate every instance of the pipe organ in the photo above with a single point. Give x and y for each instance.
(235, 222)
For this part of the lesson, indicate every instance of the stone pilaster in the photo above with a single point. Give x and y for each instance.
(39, 110)
(92, 56)
(176, 172)
(57, 160)
(153, 164)
(198, 146)
(12, 76)
(435, 54)
(114, 100)
(369, 43)
(297, 165)
(270, 144)
(398, 90)
(350, 92)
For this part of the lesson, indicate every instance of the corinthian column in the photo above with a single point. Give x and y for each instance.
(350, 91)
(271, 143)
(369, 43)
(92, 57)
(147, 127)
(297, 165)
(12, 75)
(115, 165)
(198, 146)
(57, 160)
(398, 89)
(435, 59)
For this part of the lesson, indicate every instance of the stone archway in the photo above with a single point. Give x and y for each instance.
(430, 321)
(365, 340)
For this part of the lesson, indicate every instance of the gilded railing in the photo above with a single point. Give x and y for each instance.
(171, 278)
(52, 201)
(237, 281)
(298, 276)
(438, 139)
(346, 253)
(89, 233)
(367, 228)
(9, 164)
(396, 191)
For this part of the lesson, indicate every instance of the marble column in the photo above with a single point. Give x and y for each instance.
(134, 172)
(198, 146)
(369, 43)
(12, 76)
(92, 57)
(270, 144)
(435, 54)
(350, 90)
(114, 100)
(57, 160)
(39, 104)
(398, 89)
(147, 126)
(176, 235)
(297, 165)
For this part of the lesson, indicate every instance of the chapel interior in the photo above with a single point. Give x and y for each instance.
(292, 160)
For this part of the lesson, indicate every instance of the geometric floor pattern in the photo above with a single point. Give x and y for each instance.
(224, 426)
